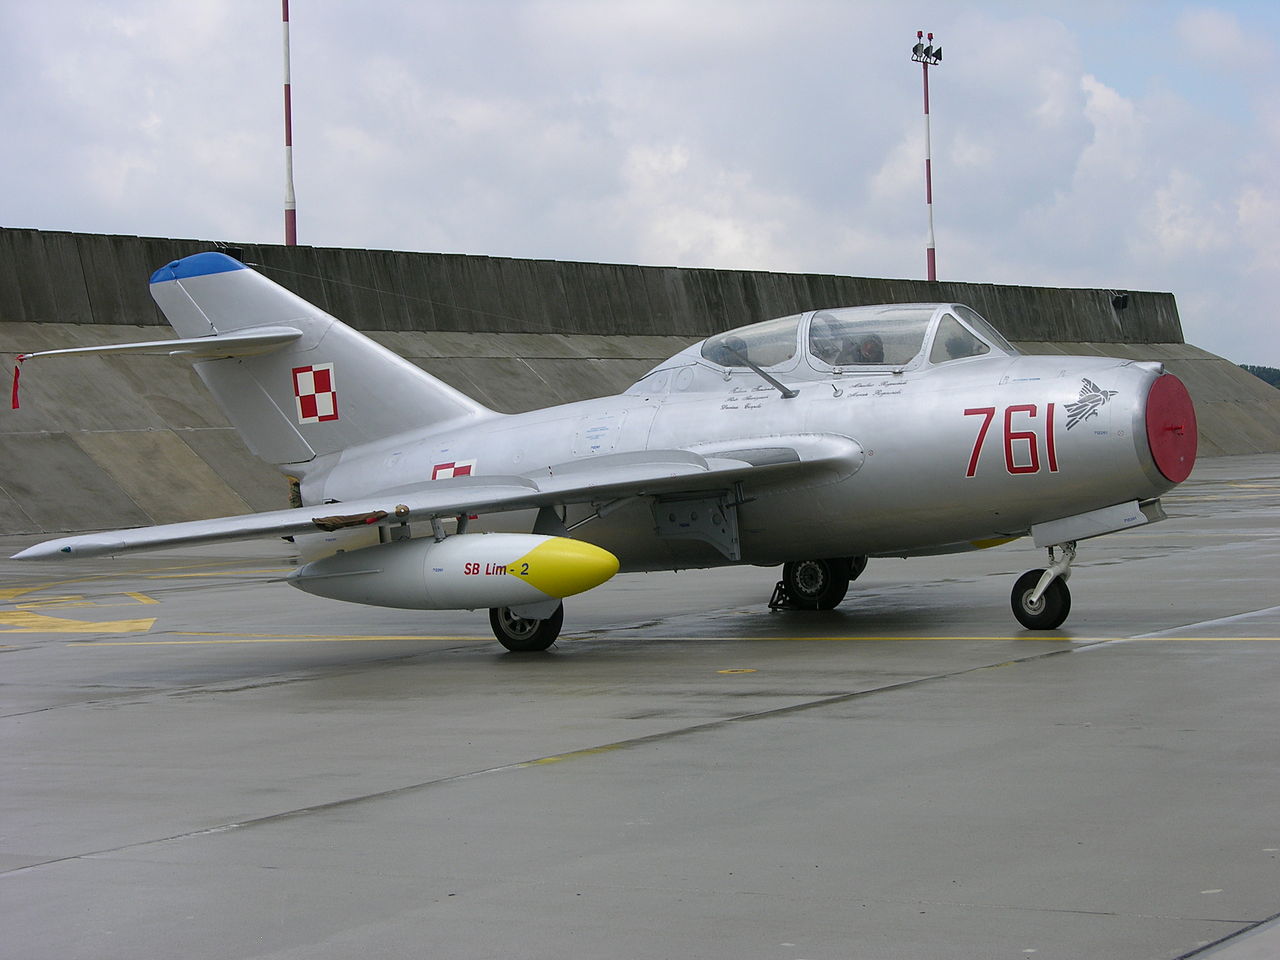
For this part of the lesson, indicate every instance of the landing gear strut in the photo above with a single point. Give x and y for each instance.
(1040, 598)
(524, 634)
(815, 584)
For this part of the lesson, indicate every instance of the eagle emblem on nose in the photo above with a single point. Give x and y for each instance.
(1092, 399)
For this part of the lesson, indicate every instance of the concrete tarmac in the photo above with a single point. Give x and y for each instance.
(202, 763)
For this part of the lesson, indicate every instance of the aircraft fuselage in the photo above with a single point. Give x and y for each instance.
(953, 458)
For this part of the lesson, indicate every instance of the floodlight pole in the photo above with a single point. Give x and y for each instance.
(926, 56)
(290, 202)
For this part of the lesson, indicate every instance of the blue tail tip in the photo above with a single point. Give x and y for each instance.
(197, 265)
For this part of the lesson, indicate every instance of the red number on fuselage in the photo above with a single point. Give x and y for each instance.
(989, 413)
(1025, 436)
(1029, 440)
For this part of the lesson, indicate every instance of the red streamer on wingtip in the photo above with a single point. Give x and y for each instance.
(17, 369)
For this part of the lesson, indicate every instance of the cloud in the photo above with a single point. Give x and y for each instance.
(727, 133)
(1215, 37)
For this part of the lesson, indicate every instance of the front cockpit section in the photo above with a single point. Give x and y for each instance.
(885, 339)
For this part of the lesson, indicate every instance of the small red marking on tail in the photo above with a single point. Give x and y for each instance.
(17, 369)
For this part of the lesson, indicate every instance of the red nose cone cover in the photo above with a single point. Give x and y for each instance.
(1171, 427)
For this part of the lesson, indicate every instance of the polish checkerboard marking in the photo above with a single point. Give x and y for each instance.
(315, 393)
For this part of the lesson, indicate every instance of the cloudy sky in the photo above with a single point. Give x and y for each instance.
(1128, 145)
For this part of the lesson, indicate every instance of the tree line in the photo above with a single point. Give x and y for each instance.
(1269, 374)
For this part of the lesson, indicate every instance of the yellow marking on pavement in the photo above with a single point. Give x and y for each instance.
(23, 621)
(231, 638)
(69, 600)
(12, 593)
(1203, 639)
(205, 639)
(76, 600)
(25, 618)
(149, 573)
(223, 638)
(573, 755)
(849, 639)
(738, 670)
(212, 573)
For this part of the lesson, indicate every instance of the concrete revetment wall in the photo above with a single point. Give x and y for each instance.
(118, 441)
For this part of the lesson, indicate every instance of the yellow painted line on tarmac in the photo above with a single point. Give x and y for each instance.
(1203, 639)
(212, 573)
(23, 621)
(232, 638)
(1014, 637)
(64, 603)
(151, 573)
(855, 639)
(207, 639)
(573, 755)
(13, 593)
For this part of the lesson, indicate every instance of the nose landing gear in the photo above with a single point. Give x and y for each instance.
(1040, 598)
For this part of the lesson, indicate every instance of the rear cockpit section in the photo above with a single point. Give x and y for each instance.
(820, 344)
(887, 336)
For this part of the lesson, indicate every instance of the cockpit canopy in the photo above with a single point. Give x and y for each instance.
(891, 335)
(822, 343)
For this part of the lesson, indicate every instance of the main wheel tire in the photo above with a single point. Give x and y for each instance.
(816, 584)
(523, 635)
(1047, 613)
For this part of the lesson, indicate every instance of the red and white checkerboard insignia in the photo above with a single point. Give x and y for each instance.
(454, 468)
(315, 393)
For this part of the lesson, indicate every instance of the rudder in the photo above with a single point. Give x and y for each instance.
(330, 389)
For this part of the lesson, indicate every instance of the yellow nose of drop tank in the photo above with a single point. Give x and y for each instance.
(561, 567)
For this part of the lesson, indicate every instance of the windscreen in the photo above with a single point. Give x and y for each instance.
(765, 344)
(953, 341)
(984, 329)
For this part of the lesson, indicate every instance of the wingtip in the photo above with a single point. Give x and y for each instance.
(43, 551)
(67, 549)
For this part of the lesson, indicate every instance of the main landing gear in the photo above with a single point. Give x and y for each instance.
(1040, 598)
(525, 634)
(815, 584)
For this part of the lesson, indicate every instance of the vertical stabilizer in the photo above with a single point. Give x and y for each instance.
(331, 389)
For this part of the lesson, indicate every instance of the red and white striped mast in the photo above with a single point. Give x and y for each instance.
(290, 202)
(927, 56)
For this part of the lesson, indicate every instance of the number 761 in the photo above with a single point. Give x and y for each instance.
(1021, 447)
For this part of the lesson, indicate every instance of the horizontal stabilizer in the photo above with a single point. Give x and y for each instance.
(249, 343)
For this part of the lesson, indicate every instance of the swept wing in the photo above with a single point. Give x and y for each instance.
(799, 460)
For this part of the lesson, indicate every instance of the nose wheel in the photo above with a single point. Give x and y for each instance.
(1040, 598)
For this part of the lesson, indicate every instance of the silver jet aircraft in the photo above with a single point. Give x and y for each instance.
(814, 441)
